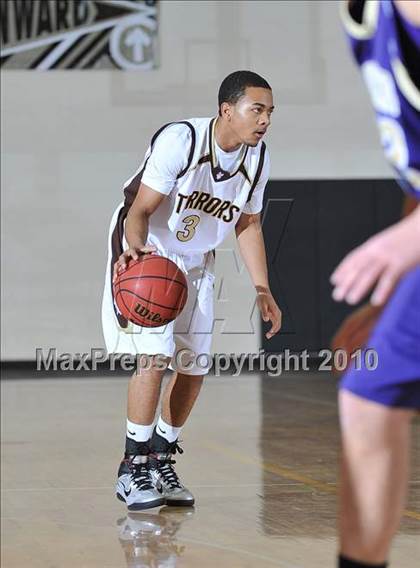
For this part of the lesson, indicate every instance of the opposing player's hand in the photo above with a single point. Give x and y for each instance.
(381, 261)
(269, 311)
(355, 329)
(127, 255)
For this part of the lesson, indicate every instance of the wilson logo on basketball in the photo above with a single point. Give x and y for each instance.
(143, 312)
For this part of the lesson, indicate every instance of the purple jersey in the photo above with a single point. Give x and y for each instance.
(387, 48)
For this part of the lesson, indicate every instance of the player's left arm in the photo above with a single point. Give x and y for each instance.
(251, 245)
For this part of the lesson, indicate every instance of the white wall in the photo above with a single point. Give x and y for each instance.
(70, 138)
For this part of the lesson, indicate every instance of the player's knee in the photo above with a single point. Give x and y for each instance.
(369, 429)
(151, 365)
(190, 383)
(192, 379)
(361, 427)
(355, 412)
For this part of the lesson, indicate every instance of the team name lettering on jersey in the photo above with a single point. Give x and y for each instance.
(203, 201)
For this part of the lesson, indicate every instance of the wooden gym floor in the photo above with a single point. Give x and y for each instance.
(260, 457)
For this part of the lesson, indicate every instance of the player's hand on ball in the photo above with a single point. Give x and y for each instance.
(381, 261)
(355, 329)
(127, 255)
(269, 311)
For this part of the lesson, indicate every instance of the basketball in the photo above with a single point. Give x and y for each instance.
(151, 292)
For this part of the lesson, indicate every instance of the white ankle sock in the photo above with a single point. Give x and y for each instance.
(167, 431)
(138, 432)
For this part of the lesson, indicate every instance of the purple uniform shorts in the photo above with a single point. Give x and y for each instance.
(396, 340)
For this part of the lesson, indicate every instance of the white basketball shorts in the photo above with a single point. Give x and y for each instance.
(187, 339)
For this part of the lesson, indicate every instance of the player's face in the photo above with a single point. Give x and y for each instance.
(251, 115)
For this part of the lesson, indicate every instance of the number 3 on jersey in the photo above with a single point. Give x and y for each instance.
(191, 222)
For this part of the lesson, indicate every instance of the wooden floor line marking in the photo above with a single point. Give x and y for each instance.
(288, 473)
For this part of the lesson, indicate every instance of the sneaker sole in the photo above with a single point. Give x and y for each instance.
(142, 506)
(179, 503)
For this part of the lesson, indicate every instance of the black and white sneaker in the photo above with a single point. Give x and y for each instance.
(163, 474)
(135, 485)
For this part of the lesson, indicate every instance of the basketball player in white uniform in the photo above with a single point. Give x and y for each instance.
(201, 178)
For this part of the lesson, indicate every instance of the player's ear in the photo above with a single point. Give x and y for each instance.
(226, 111)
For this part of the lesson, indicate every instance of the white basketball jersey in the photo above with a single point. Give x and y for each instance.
(203, 200)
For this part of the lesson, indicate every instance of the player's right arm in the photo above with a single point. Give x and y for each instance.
(137, 225)
(167, 159)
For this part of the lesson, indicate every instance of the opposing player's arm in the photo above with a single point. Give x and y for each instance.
(251, 245)
(410, 203)
(379, 263)
(356, 328)
(410, 9)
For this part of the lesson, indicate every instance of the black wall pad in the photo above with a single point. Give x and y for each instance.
(308, 228)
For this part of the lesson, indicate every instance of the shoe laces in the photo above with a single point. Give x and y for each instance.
(140, 474)
(166, 469)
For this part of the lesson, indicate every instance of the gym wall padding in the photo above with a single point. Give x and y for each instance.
(308, 227)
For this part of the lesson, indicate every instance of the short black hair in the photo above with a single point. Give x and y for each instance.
(233, 86)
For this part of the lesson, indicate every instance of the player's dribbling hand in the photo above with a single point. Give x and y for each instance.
(381, 260)
(269, 311)
(355, 329)
(127, 255)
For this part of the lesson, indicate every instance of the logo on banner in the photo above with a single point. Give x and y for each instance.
(78, 34)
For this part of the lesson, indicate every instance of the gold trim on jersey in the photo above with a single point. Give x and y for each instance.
(405, 83)
(367, 28)
(212, 152)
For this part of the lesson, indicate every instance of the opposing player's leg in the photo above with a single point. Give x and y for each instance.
(193, 334)
(376, 408)
(374, 472)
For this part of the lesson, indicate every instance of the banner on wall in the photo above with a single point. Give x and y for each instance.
(78, 34)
